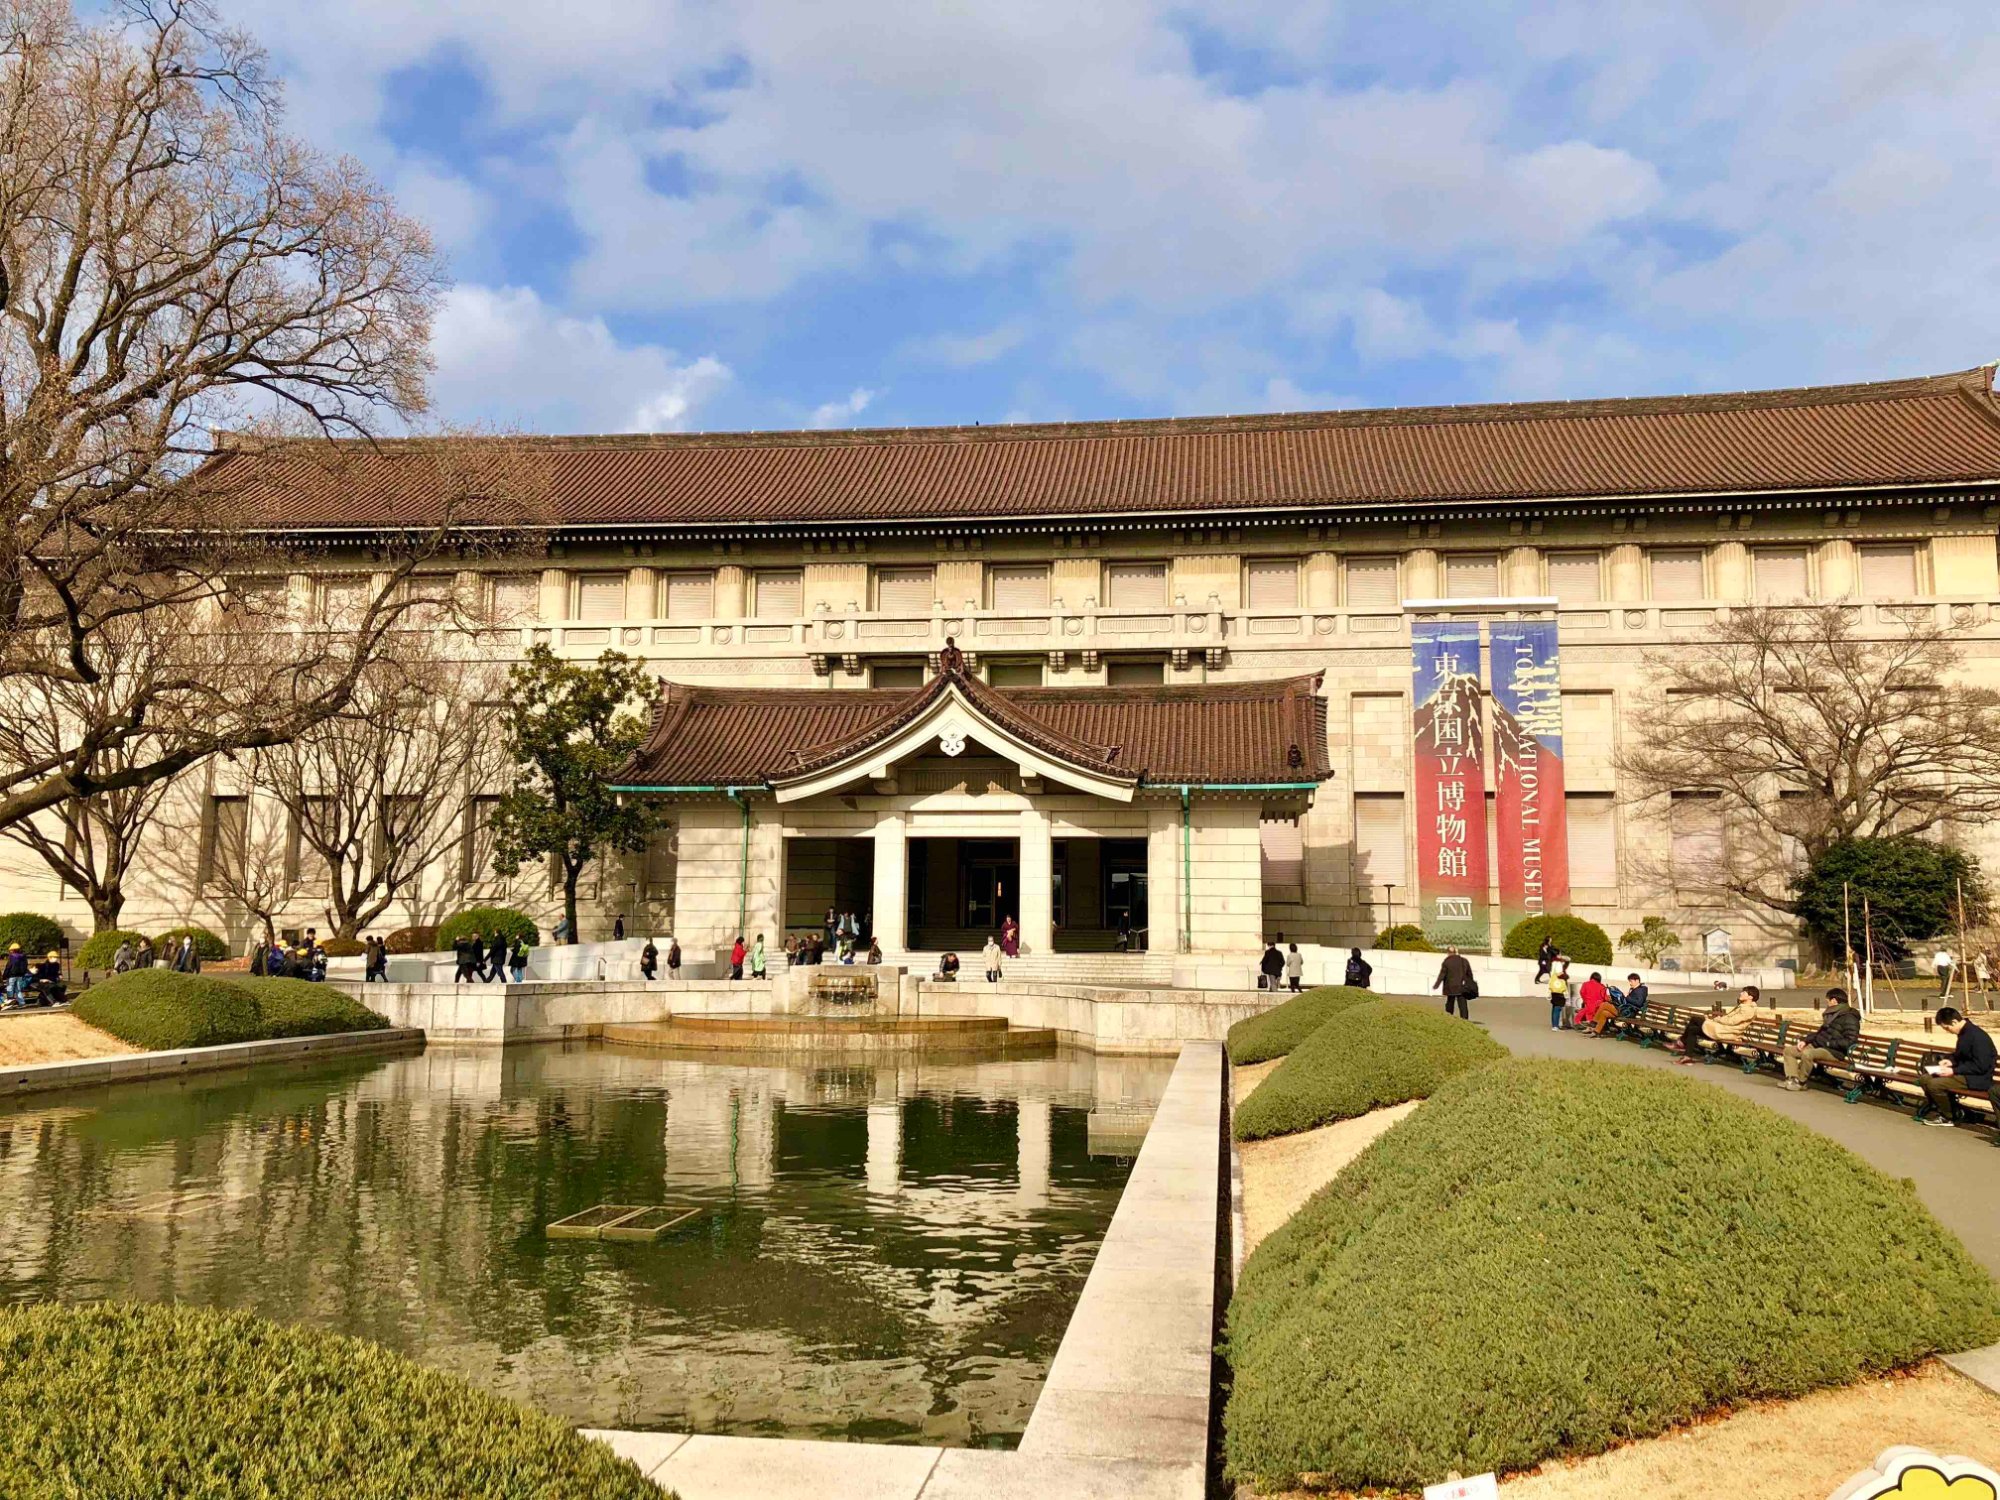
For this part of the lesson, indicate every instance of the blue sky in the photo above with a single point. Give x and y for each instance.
(705, 214)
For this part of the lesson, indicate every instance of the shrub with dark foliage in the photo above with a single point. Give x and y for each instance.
(1552, 1258)
(1584, 942)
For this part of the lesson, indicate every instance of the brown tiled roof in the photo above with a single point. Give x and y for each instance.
(1942, 429)
(1214, 732)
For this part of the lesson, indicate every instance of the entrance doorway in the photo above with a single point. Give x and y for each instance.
(1101, 895)
(961, 890)
(823, 874)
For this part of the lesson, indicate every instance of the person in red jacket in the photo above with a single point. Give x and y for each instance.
(736, 954)
(1593, 997)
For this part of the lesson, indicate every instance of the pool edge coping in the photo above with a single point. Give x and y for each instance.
(1129, 1419)
(84, 1072)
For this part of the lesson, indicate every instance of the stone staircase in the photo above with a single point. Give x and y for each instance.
(1109, 970)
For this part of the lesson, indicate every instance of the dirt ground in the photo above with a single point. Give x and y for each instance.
(57, 1038)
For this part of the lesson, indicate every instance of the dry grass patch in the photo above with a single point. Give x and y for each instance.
(58, 1038)
(1280, 1174)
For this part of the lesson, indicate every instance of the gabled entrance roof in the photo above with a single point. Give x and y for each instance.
(1110, 741)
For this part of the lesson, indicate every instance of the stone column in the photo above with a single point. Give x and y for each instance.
(555, 595)
(892, 880)
(642, 594)
(885, 1146)
(1322, 580)
(1729, 570)
(1037, 884)
(1163, 881)
(1420, 573)
(729, 600)
(1521, 573)
(1627, 581)
(1031, 1120)
(1839, 569)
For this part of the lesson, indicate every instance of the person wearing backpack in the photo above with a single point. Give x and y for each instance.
(1359, 970)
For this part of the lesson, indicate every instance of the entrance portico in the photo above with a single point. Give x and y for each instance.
(957, 806)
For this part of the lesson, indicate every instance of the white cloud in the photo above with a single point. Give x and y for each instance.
(505, 356)
(968, 351)
(842, 413)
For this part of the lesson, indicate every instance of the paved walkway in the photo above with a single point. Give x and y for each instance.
(1956, 1172)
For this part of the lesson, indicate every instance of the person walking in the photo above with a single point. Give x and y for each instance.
(1971, 1064)
(1558, 993)
(649, 962)
(1839, 1029)
(1295, 966)
(757, 959)
(1010, 938)
(991, 955)
(517, 959)
(1271, 967)
(142, 957)
(1943, 962)
(496, 957)
(14, 978)
(378, 960)
(737, 953)
(1359, 970)
(673, 957)
(1454, 977)
(465, 957)
(124, 958)
(1545, 958)
(618, 928)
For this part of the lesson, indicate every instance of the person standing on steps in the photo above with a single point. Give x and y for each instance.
(618, 928)
(757, 960)
(1455, 979)
(673, 957)
(991, 954)
(649, 961)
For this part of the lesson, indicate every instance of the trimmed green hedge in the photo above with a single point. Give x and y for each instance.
(158, 1009)
(1551, 1258)
(1278, 1030)
(340, 947)
(480, 921)
(207, 946)
(1405, 937)
(412, 940)
(297, 1007)
(101, 947)
(147, 1402)
(1365, 1057)
(36, 933)
(1584, 942)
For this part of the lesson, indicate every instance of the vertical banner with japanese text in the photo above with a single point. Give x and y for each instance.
(1450, 783)
(1530, 823)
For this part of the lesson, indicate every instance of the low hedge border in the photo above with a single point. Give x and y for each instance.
(1363, 1058)
(159, 1010)
(1552, 1258)
(146, 1402)
(1278, 1030)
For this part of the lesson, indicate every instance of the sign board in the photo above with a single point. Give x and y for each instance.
(1529, 813)
(1479, 1487)
(1912, 1474)
(1450, 762)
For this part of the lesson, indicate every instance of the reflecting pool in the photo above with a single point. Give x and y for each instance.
(882, 1251)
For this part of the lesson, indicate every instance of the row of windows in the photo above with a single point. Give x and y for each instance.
(1670, 574)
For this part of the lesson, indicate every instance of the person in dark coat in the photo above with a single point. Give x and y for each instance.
(1839, 1029)
(1545, 958)
(1359, 970)
(1272, 966)
(618, 928)
(496, 956)
(649, 961)
(1971, 1066)
(465, 954)
(673, 958)
(1455, 979)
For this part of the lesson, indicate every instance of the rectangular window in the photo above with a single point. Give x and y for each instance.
(228, 841)
(776, 594)
(256, 596)
(896, 674)
(1593, 842)
(1019, 588)
(905, 591)
(1472, 575)
(687, 596)
(1135, 585)
(1271, 583)
(1135, 673)
(1889, 572)
(1283, 857)
(515, 598)
(343, 601)
(315, 816)
(1378, 844)
(479, 813)
(1677, 574)
(1373, 583)
(1576, 577)
(402, 817)
(600, 596)
(1781, 573)
(1696, 819)
(1015, 674)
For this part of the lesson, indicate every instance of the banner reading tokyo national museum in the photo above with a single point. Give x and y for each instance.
(1450, 784)
(1531, 827)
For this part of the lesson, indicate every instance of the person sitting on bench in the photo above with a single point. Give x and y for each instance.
(1626, 1004)
(1839, 1029)
(1725, 1030)
(1971, 1066)
(46, 984)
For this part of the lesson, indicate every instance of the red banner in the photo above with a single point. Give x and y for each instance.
(1451, 784)
(1530, 817)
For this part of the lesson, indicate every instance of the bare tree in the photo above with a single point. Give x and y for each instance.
(234, 850)
(172, 265)
(376, 793)
(1801, 733)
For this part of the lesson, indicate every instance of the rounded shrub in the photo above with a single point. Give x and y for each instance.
(340, 947)
(101, 947)
(412, 940)
(1278, 1030)
(1584, 942)
(207, 946)
(1552, 1258)
(1363, 1058)
(154, 1401)
(480, 921)
(1405, 937)
(298, 1007)
(35, 933)
(157, 1009)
